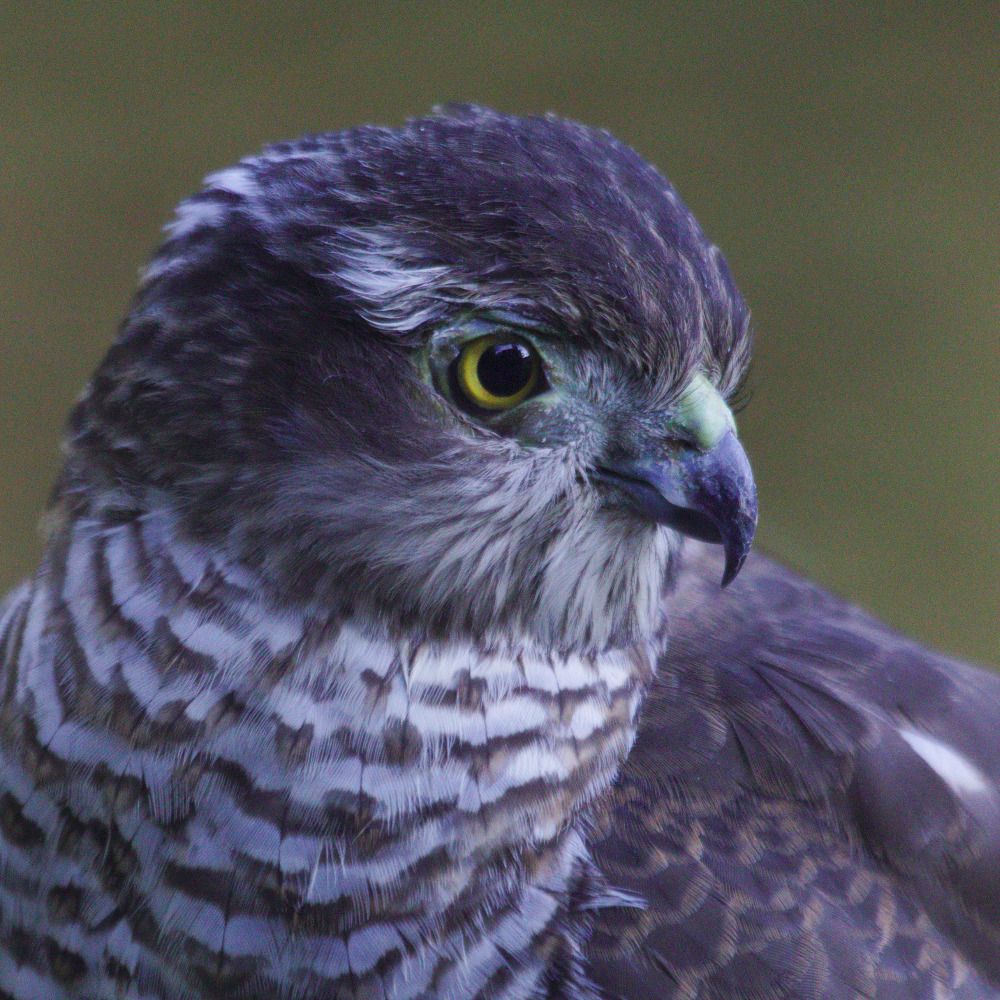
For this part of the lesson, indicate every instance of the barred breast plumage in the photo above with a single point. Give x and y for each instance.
(282, 799)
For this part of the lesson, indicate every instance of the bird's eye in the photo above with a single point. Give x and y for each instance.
(497, 372)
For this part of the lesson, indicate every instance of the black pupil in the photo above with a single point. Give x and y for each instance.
(505, 369)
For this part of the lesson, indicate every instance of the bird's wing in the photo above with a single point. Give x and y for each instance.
(811, 809)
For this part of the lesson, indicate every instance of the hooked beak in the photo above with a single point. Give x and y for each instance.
(707, 493)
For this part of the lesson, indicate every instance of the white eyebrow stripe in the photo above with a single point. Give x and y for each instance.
(957, 771)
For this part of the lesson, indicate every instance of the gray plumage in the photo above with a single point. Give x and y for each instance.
(365, 658)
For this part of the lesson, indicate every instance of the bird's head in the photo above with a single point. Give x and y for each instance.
(466, 375)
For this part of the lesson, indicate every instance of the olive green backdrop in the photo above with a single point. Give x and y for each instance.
(843, 157)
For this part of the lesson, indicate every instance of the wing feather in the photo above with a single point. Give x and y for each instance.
(811, 808)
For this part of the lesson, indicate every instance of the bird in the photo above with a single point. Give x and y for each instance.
(397, 632)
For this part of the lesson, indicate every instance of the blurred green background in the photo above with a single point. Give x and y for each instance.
(844, 157)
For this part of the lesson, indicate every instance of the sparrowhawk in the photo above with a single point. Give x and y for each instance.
(367, 657)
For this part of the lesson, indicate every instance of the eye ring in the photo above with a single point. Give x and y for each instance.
(496, 372)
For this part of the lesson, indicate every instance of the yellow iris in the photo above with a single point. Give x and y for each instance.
(496, 372)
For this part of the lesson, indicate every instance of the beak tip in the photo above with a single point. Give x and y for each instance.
(734, 563)
(738, 536)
